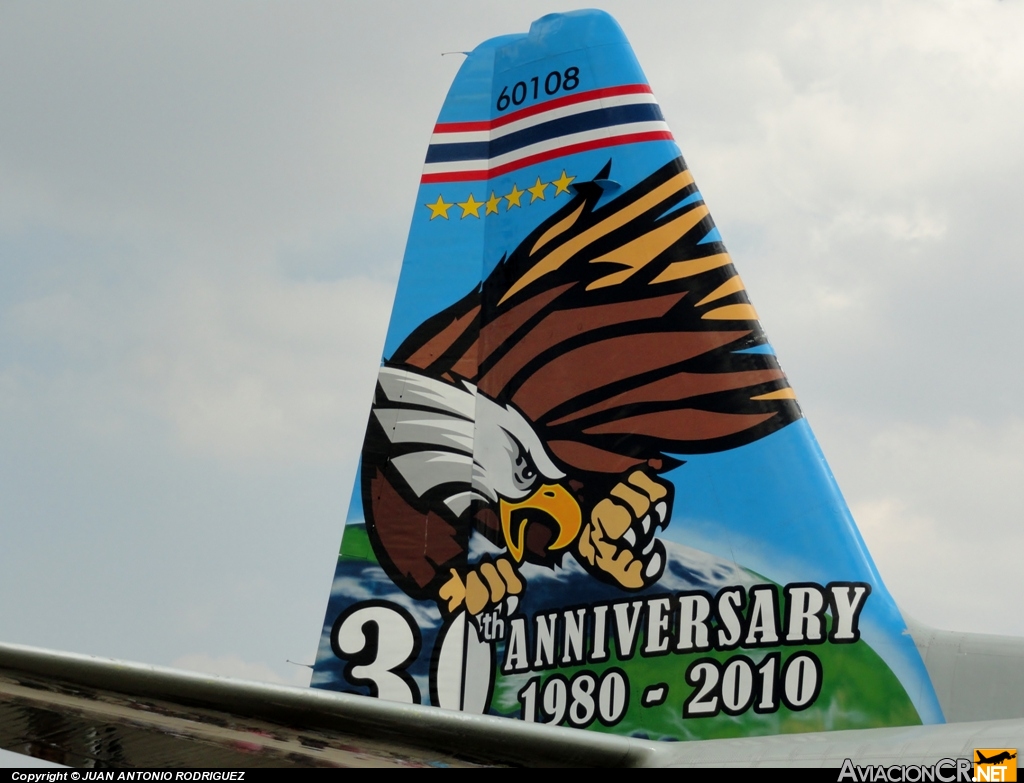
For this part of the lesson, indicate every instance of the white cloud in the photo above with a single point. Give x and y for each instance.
(266, 368)
(939, 508)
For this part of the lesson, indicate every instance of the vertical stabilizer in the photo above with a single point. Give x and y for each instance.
(587, 494)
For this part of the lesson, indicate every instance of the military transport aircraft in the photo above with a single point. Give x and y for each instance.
(574, 382)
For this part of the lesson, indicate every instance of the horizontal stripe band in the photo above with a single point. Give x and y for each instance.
(552, 114)
(543, 146)
(540, 157)
(563, 126)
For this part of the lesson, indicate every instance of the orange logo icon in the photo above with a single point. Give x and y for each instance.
(999, 764)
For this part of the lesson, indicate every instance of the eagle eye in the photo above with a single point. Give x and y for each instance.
(525, 472)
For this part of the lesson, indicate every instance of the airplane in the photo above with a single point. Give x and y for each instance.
(997, 758)
(588, 497)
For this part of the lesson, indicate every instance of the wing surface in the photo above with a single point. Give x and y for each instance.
(97, 713)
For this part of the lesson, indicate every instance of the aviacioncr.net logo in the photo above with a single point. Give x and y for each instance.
(942, 771)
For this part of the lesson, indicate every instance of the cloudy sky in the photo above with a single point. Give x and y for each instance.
(203, 208)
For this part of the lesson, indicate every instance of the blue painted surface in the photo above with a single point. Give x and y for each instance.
(712, 236)
(771, 506)
(764, 350)
(693, 198)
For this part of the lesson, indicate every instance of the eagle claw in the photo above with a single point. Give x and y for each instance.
(485, 583)
(619, 541)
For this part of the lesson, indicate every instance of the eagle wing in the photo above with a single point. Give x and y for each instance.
(620, 330)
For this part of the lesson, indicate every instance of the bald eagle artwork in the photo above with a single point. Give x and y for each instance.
(540, 409)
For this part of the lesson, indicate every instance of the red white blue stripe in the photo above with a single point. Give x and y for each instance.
(466, 151)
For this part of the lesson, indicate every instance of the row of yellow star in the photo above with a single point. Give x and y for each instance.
(471, 207)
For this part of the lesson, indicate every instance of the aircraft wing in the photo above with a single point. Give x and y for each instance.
(84, 711)
(92, 712)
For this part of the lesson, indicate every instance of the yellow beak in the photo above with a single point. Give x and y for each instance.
(551, 499)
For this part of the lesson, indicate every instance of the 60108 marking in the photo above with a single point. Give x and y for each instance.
(554, 82)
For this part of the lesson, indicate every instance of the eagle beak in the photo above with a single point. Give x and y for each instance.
(553, 500)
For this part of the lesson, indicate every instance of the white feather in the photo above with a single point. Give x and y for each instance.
(501, 456)
(509, 459)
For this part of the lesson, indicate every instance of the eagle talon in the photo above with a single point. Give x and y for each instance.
(488, 582)
(619, 539)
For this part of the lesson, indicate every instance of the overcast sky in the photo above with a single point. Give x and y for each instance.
(203, 208)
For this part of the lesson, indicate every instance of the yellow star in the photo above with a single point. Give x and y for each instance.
(537, 191)
(492, 204)
(562, 184)
(440, 209)
(513, 197)
(471, 207)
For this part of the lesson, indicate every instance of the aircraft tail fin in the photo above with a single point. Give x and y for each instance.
(587, 493)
